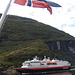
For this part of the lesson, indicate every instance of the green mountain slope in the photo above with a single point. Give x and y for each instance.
(23, 38)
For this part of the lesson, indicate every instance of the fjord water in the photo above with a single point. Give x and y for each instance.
(72, 72)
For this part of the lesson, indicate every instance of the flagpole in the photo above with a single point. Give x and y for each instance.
(4, 16)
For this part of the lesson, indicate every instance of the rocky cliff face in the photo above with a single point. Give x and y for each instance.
(65, 47)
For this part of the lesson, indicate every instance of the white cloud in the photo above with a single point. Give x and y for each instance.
(69, 29)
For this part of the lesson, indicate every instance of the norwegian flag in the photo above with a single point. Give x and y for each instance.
(37, 4)
(50, 3)
(20, 2)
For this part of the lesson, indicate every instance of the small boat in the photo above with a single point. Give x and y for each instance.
(44, 65)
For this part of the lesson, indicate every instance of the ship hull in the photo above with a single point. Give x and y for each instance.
(44, 69)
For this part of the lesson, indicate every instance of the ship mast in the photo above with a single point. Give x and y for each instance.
(4, 16)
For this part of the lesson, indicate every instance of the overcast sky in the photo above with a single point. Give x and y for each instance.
(62, 18)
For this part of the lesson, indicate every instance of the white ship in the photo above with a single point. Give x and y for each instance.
(45, 65)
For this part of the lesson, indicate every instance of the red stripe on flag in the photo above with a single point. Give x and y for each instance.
(20, 2)
(39, 4)
(49, 9)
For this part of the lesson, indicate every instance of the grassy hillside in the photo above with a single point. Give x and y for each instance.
(23, 38)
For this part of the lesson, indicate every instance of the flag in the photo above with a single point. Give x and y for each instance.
(50, 3)
(29, 3)
(36, 4)
(39, 4)
(20, 2)
(53, 4)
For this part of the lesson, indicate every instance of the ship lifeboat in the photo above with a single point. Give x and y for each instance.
(51, 63)
(42, 63)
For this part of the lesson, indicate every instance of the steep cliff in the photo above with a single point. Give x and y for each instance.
(66, 48)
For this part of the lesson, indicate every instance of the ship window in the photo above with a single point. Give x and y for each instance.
(34, 62)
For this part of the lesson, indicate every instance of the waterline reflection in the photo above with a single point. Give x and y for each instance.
(61, 73)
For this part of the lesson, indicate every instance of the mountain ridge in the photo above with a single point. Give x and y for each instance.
(23, 38)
